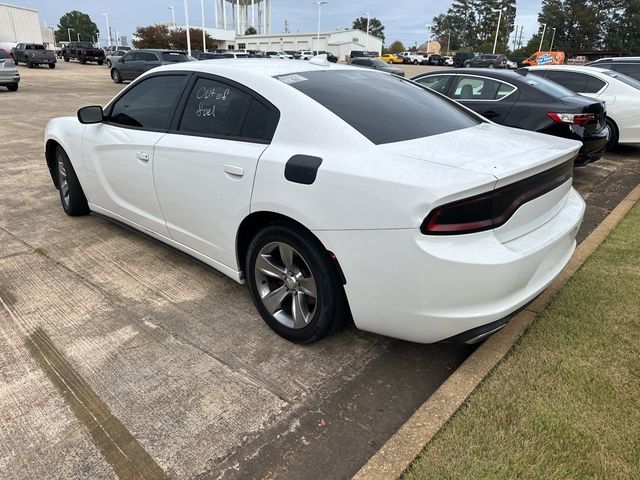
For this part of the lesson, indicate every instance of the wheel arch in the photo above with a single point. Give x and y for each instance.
(50, 155)
(258, 220)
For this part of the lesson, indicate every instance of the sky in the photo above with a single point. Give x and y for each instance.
(404, 20)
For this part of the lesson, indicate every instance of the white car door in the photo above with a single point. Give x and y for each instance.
(119, 152)
(205, 166)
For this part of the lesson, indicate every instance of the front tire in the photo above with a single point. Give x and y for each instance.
(109, 63)
(83, 60)
(72, 197)
(294, 284)
(100, 62)
(13, 87)
(491, 65)
(52, 65)
(115, 76)
(65, 58)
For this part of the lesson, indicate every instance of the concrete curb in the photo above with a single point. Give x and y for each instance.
(406, 444)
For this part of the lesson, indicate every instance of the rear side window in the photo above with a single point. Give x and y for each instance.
(149, 104)
(594, 85)
(174, 57)
(439, 83)
(576, 82)
(383, 108)
(148, 57)
(220, 110)
(4, 54)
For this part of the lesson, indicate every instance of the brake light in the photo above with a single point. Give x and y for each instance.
(492, 209)
(84, 52)
(574, 118)
(33, 54)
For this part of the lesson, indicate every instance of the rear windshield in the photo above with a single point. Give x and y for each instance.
(174, 57)
(546, 86)
(4, 54)
(632, 82)
(383, 108)
(84, 45)
(35, 47)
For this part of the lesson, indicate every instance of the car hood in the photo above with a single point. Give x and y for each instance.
(508, 154)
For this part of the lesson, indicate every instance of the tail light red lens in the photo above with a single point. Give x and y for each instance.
(492, 209)
(84, 52)
(574, 118)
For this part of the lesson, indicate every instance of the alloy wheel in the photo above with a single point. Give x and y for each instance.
(286, 285)
(63, 182)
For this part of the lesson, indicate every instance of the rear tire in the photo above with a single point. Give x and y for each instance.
(100, 62)
(13, 88)
(115, 76)
(491, 65)
(52, 65)
(29, 64)
(83, 60)
(72, 197)
(65, 58)
(467, 65)
(298, 295)
(614, 135)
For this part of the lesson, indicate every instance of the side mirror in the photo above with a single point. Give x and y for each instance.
(92, 114)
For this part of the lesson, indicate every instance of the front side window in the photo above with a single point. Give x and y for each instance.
(383, 108)
(149, 104)
(220, 110)
(477, 88)
(148, 57)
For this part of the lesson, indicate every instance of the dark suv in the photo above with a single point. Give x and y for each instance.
(487, 61)
(628, 65)
(461, 57)
(136, 62)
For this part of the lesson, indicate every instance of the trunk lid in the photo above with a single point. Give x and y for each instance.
(506, 153)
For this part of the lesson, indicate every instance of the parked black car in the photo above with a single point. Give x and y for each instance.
(461, 57)
(376, 64)
(523, 100)
(435, 59)
(84, 52)
(136, 62)
(630, 66)
(207, 55)
(485, 60)
(330, 56)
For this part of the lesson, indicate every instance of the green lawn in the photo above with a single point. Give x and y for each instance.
(565, 403)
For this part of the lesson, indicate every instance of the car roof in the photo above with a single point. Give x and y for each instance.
(256, 67)
(616, 60)
(480, 72)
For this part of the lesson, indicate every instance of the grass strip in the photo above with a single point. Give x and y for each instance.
(565, 403)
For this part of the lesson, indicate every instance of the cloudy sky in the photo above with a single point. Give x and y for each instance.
(404, 20)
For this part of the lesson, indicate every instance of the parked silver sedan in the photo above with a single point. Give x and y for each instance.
(113, 57)
(9, 76)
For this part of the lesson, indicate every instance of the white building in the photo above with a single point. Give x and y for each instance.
(338, 42)
(17, 25)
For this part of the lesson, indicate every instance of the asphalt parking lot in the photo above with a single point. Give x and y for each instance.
(171, 359)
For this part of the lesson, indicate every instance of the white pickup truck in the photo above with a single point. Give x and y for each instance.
(412, 57)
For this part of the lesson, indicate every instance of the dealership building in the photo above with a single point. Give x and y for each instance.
(22, 25)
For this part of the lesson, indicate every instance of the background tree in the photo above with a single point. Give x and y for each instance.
(80, 23)
(251, 31)
(396, 47)
(375, 27)
(153, 36)
(178, 39)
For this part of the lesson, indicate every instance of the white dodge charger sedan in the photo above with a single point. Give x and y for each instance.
(332, 191)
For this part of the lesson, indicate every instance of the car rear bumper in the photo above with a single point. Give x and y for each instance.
(12, 79)
(425, 289)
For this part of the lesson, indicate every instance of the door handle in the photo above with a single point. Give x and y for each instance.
(142, 156)
(491, 114)
(234, 170)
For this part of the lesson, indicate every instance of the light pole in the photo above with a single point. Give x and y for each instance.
(428, 37)
(69, 33)
(106, 17)
(544, 30)
(324, 2)
(552, 39)
(204, 37)
(186, 20)
(495, 42)
(368, 23)
(117, 39)
(173, 16)
(78, 36)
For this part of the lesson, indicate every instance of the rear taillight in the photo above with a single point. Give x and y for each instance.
(84, 52)
(492, 209)
(574, 118)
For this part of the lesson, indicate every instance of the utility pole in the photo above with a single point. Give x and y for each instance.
(106, 17)
(204, 35)
(173, 16)
(552, 39)
(69, 33)
(368, 21)
(428, 37)
(495, 43)
(186, 21)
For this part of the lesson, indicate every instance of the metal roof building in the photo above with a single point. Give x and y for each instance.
(18, 24)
